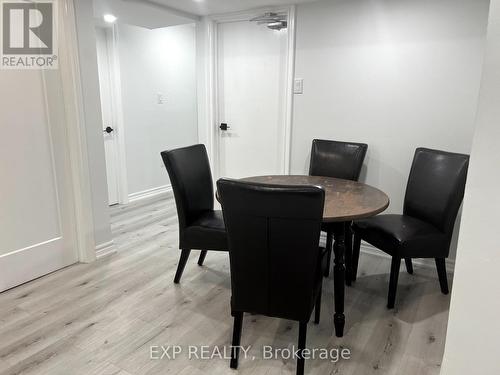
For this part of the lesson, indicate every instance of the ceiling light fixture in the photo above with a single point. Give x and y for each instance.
(109, 18)
(274, 21)
(277, 25)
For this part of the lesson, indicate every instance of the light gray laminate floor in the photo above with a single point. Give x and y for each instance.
(103, 318)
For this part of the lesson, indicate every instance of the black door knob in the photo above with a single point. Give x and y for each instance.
(223, 126)
(109, 129)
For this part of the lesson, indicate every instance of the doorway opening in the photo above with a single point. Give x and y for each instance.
(254, 68)
(149, 104)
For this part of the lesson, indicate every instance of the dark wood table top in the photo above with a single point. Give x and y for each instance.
(344, 200)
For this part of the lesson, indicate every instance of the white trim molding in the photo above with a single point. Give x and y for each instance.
(69, 66)
(289, 96)
(150, 193)
(113, 40)
(205, 35)
(105, 249)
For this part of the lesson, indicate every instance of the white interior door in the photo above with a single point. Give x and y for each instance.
(105, 67)
(251, 72)
(37, 232)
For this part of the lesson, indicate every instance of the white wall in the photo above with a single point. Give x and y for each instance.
(474, 325)
(393, 74)
(152, 62)
(93, 121)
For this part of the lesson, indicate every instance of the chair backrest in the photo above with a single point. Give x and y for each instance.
(337, 159)
(273, 238)
(191, 179)
(436, 187)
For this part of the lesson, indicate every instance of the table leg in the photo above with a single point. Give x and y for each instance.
(329, 243)
(339, 279)
(348, 253)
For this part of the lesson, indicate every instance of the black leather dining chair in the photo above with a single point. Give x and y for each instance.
(433, 197)
(276, 263)
(200, 226)
(340, 160)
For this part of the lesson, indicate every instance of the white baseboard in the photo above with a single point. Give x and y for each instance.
(105, 249)
(150, 193)
(366, 248)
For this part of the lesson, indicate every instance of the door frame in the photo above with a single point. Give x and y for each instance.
(212, 81)
(76, 138)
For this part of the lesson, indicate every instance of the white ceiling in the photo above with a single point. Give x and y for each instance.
(206, 7)
(139, 13)
(153, 14)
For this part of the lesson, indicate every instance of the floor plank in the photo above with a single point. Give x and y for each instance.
(103, 318)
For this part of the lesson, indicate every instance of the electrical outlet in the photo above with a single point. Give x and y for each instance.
(160, 98)
(298, 86)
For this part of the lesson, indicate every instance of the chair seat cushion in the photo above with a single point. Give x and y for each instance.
(403, 236)
(207, 232)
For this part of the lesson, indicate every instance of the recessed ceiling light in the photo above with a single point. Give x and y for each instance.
(109, 18)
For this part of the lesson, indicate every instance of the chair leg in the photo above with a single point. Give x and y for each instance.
(201, 259)
(348, 253)
(329, 243)
(355, 255)
(182, 263)
(409, 266)
(302, 346)
(317, 307)
(393, 283)
(235, 346)
(441, 269)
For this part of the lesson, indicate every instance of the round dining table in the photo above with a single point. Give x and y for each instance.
(345, 201)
